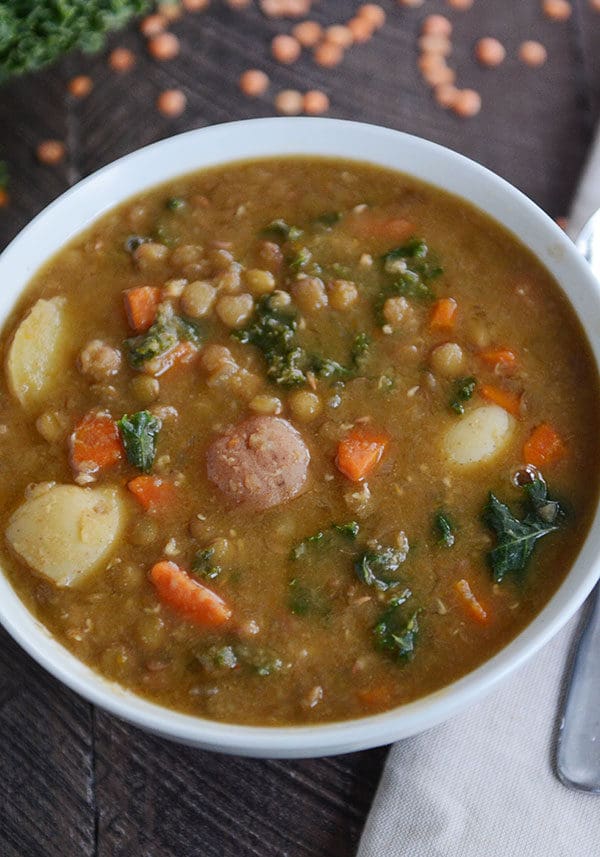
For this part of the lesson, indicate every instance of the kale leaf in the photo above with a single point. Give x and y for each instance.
(463, 391)
(203, 565)
(516, 539)
(413, 268)
(138, 433)
(164, 334)
(445, 528)
(348, 530)
(280, 229)
(379, 568)
(34, 33)
(395, 633)
(301, 548)
(360, 349)
(273, 329)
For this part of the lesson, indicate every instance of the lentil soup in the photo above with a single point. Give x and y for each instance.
(293, 441)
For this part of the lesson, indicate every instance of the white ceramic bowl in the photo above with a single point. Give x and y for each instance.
(80, 206)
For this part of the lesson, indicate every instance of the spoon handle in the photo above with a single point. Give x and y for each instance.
(578, 751)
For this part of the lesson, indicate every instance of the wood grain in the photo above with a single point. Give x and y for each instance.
(75, 782)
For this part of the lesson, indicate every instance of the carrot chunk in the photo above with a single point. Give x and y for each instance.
(95, 444)
(470, 603)
(511, 402)
(179, 355)
(141, 304)
(152, 492)
(503, 357)
(544, 446)
(378, 225)
(443, 314)
(188, 597)
(360, 452)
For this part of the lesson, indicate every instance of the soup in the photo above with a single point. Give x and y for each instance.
(293, 441)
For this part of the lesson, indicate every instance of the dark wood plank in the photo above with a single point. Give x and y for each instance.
(67, 774)
(46, 763)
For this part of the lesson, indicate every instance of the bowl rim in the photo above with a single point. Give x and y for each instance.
(276, 137)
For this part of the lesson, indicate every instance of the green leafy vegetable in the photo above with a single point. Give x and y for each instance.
(175, 203)
(135, 241)
(273, 329)
(139, 432)
(301, 548)
(396, 633)
(463, 391)
(379, 568)
(164, 334)
(280, 229)
(445, 528)
(360, 349)
(412, 267)
(325, 367)
(349, 530)
(300, 260)
(34, 33)
(516, 539)
(203, 565)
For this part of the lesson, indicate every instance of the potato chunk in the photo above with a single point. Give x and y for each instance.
(38, 353)
(479, 436)
(64, 532)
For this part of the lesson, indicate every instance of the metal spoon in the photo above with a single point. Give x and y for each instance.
(578, 746)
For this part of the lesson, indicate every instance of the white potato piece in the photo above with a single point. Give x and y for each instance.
(64, 532)
(479, 436)
(38, 353)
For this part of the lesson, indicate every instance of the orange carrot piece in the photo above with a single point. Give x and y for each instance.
(544, 446)
(95, 443)
(443, 314)
(378, 225)
(141, 304)
(379, 696)
(503, 357)
(470, 603)
(179, 355)
(511, 402)
(153, 493)
(360, 451)
(188, 597)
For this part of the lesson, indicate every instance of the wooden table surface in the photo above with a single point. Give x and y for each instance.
(75, 781)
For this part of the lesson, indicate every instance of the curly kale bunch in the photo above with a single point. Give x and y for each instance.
(33, 33)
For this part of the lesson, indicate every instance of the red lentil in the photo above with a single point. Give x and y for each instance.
(445, 95)
(490, 52)
(254, 82)
(195, 5)
(315, 102)
(467, 103)
(412, 4)
(435, 45)
(165, 46)
(328, 55)
(286, 49)
(436, 25)
(557, 10)
(121, 59)
(80, 86)
(308, 33)
(337, 34)
(533, 54)
(152, 25)
(361, 29)
(171, 102)
(373, 13)
(4, 198)
(460, 5)
(172, 11)
(290, 102)
(51, 152)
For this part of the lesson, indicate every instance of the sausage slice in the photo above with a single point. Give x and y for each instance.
(259, 463)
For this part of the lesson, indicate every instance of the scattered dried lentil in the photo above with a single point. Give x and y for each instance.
(51, 152)
(163, 47)
(490, 52)
(121, 59)
(80, 86)
(254, 82)
(533, 54)
(286, 49)
(171, 102)
(315, 102)
(289, 102)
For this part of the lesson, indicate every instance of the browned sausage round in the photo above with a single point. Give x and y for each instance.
(259, 463)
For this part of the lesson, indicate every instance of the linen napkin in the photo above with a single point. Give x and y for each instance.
(483, 785)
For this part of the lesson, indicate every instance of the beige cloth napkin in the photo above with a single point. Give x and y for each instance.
(483, 785)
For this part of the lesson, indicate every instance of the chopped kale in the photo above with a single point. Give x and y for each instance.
(164, 334)
(516, 539)
(379, 567)
(280, 229)
(135, 241)
(396, 633)
(350, 530)
(412, 267)
(273, 329)
(175, 203)
(226, 658)
(300, 260)
(324, 367)
(359, 351)
(138, 433)
(445, 528)
(463, 391)
(204, 566)
(301, 548)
